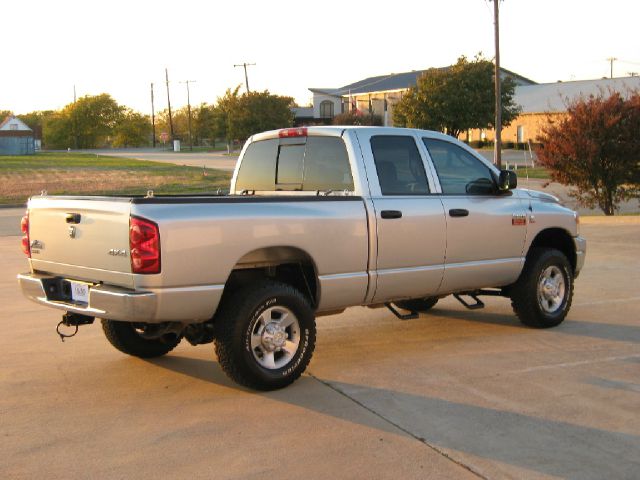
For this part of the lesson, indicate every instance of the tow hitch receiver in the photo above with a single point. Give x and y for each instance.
(73, 320)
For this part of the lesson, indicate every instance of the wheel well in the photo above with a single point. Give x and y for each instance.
(560, 240)
(285, 264)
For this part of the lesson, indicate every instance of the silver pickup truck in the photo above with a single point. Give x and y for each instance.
(318, 219)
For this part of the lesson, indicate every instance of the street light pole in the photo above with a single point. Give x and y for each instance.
(153, 118)
(189, 112)
(497, 156)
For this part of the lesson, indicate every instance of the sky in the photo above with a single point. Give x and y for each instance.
(121, 47)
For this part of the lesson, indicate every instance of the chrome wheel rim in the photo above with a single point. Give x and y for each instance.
(275, 337)
(551, 289)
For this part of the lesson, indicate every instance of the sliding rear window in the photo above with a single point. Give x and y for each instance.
(300, 163)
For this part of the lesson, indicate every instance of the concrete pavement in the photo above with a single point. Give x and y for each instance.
(218, 160)
(453, 394)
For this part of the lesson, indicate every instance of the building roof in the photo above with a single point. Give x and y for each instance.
(13, 120)
(553, 97)
(396, 81)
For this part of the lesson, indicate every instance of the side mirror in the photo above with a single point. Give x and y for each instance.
(507, 180)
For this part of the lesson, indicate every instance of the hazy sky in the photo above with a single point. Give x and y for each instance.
(120, 47)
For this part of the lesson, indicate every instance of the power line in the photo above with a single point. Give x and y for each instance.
(246, 77)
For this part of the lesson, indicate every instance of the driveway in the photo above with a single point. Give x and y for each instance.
(453, 394)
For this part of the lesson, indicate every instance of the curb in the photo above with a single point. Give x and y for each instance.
(614, 220)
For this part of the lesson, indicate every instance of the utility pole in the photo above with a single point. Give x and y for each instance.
(611, 60)
(153, 118)
(497, 156)
(246, 77)
(189, 112)
(166, 74)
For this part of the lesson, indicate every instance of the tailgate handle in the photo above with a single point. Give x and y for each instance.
(458, 212)
(72, 218)
(391, 214)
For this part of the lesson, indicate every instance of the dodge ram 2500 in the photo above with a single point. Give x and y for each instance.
(317, 219)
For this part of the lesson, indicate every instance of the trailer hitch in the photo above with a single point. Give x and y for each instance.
(73, 320)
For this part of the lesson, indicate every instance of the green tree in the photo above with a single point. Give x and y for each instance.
(456, 99)
(57, 130)
(94, 119)
(596, 149)
(261, 111)
(133, 129)
(237, 117)
(357, 118)
(204, 123)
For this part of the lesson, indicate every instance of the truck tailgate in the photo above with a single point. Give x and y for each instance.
(86, 239)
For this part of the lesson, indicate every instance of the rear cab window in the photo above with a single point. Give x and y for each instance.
(319, 164)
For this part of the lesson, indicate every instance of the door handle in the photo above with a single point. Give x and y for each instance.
(458, 212)
(390, 214)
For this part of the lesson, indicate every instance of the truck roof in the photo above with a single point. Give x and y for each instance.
(338, 131)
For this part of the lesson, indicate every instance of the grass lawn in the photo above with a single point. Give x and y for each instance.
(537, 172)
(88, 174)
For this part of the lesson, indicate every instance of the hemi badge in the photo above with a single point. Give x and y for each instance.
(518, 219)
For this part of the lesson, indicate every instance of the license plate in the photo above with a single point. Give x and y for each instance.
(79, 292)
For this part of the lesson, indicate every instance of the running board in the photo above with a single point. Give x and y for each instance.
(402, 316)
(471, 306)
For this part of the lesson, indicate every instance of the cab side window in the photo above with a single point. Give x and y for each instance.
(460, 173)
(399, 165)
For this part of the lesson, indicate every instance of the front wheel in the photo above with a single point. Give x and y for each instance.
(542, 295)
(265, 335)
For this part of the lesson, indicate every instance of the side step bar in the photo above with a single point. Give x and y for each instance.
(402, 316)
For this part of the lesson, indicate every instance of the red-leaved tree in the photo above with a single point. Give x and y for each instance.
(596, 149)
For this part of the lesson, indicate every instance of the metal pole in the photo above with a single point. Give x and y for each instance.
(246, 77)
(166, 73)
(189, 112)
(153, 118)
(498, 95)
(75, 121)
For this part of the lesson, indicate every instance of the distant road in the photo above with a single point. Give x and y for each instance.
(218, 160)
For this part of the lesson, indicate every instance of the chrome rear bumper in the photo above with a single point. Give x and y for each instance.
(188, 305)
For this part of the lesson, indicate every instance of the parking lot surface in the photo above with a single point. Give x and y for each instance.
(453, 394)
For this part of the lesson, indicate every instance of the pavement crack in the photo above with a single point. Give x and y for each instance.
(422, 440)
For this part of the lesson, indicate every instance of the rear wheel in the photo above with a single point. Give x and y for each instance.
(542, 295)
(265, 335)
(418, 304)
(139, 339)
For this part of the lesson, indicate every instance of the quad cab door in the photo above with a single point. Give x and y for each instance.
(486, 229)
(409, 218)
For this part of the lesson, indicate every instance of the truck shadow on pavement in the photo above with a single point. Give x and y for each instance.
(547, 446)
(604, 331)
(539, 444)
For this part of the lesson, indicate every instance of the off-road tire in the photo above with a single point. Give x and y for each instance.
(124, 337)
(236, 322)
(525, 292)
(418, 304)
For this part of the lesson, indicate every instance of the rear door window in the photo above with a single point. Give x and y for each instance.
(399, 165)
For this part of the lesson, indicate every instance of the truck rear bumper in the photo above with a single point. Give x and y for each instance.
(187, 305)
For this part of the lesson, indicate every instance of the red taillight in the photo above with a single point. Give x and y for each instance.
(24, 228)
(293, 132)
(144, 245)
